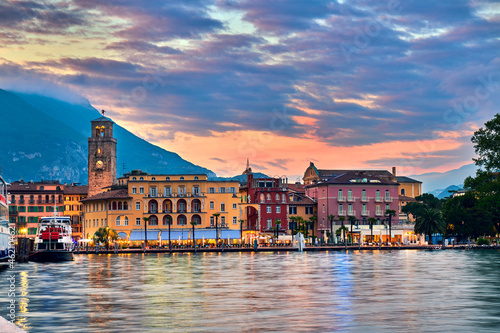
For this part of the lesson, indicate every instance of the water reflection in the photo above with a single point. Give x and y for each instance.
(246, 292)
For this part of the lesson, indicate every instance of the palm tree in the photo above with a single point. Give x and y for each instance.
(169, 219)
(342, 219)
(216, 228)
(193, 223)
(331, 217)
(104, 235)
(352, 221)
(390, 213)
(311, 222)
(146, 219)
(429, 222)
(372, 221)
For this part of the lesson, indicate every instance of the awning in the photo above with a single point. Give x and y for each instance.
(175, 234)
(204, 233)
(122, 235)
(231, 234)
(138, 235)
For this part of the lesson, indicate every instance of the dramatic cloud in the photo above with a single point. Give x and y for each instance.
(310, 74)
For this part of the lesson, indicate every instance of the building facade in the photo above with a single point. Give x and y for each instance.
(73, 208)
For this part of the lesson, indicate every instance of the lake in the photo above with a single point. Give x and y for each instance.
(359, 291)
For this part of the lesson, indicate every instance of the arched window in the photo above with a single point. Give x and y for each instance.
(377, 195)
(114, 205)
(277, 197)
(153, 220)
(141, 178)
(387, 195)
(126, 221)
(403, 191)
(262, 199)
(196, 178)
(117, 221)
(120, 205)
(103, 130)
(167, 178)
(153, 178)
(349, 195)
(182, 178)
(58, 188)
(60, 199)
(363, 195)
(47, 198)
(167, 220)
(42, 188)
(125, 205)
(341, 195)
(134, 178)
(268, 197)
(323, 208)
(283, 197)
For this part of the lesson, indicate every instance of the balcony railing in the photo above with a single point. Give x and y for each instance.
(31, 201)
(153, 211)
(350, 199)
(388, 199)
(196, 210)
(341, 199)
(365, 199)
(181, 210)
(379, 213)
(379, 199)
(342, 213)
(365, 213)
(167, 211)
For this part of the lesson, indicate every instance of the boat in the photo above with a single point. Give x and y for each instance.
(6, 243)
(53, 241)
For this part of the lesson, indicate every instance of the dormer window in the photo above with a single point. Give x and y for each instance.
(182, 178)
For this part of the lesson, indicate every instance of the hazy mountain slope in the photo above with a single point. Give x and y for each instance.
(47, 138)
(441, 180)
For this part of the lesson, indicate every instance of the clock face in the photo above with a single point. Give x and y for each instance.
(99, 165)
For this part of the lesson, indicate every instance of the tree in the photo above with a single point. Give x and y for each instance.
(342, 220)
(278, 224)
(486, 142)
(241, 231)
(352, 221)
(311, 222)
(104, 235)
(331, 217)
(390, 213)
(146, 219)
(429, 223)
(372, 221)
(193, 223)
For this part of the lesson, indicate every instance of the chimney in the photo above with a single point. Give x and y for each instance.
(394, 171)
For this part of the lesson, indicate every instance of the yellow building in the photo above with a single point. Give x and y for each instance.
(408, 189)
(73, 208)
(174, 202)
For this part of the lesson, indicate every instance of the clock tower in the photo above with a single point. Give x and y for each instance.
(102, 155)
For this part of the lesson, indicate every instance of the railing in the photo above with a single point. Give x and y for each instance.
(31, 201)
(379, 199)
(388, 199)
(21, 201)
(341, 199)
(196, 210)
(379, 214)
(350, 199)
(342, 213)
(365, 213)
(181, 210)
(365, 199)
(167, 211)
(153, 211)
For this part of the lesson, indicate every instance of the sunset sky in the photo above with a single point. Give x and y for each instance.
(346, 84)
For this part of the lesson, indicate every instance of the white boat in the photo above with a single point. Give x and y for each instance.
(6, 245)
(53, 241)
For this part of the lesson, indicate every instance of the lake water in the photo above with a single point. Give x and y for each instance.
(371, 291)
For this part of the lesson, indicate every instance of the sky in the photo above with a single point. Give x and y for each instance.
(343, 84)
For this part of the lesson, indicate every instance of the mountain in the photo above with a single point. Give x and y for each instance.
(240, 178)
(46, 138)
(441, 180)
(446, 192)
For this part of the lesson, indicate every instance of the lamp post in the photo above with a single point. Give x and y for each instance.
(241, 232)
(216, 215)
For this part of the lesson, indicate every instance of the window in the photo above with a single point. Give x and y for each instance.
(153, 220)
(167, 178)
(211, 190)
(403, 191)
(196, 190)
(269, 209)
(323, 193)
(167, 191)
(341, 195)
(341, 209)
(232, 190)
(269, 224)
(141, 190)
(196, 178)
(323, 208)
(349, 195)
(153, 179)
(137, 205)
(387, 195)
(235, 220)
(278, 209)
(211, 205)
(377, 195)
(387, 207)
(134, 178)
(277, 197)
(283, 198)
(223, 220)
(350, 211)
(137, 221)
(141, 178)
(309, 210)
(182, 178)
(117, 222)
(212, 221)
(235, 206)
(363, 195)
(262, 199)
(268, 197)
(292, 210)
(377, 211)
(222, 190)
(363, 210)
(152, 191)
(222, 207)
(93, 223)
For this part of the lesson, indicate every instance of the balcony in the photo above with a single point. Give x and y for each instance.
(153, 211)
(167, 211)
(21, 201)
(378, 199)
(388, 199)
(31, 201)
(181, 211)
(365, 199)
(341, 199)
(350, 199)
(342, 213)
(351, 213)
(378, 213)
(196, 210)
(365, 213)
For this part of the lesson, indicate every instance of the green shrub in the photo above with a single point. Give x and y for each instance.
(483, 241)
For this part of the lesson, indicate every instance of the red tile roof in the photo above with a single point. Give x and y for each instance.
(76, 189)
(113, 194)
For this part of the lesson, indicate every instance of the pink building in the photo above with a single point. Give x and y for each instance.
(362, 194)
